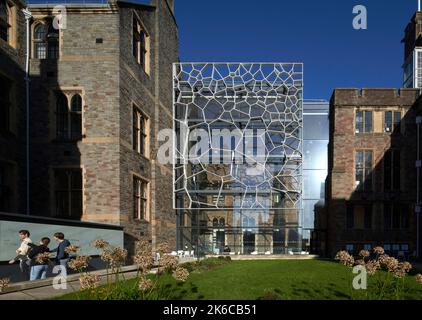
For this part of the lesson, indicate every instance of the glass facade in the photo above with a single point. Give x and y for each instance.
(315, 167)
(241, 192)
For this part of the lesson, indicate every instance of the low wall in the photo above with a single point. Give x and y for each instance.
(79, 233)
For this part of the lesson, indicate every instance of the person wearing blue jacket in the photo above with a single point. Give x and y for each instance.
(62, 256)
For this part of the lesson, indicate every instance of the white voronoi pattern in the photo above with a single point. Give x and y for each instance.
(256, 162)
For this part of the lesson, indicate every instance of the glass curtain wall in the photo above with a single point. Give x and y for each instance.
(239, 158)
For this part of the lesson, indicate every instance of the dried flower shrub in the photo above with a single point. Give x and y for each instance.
(145, 284)
(4, 284)
(72, 249)
(364, 254)
(180, 274)
(89, 281)
(42, 258)
(419, 278)
(395, 270)
(345, 258)
(379, 250)
(114, 257)
(169, 262)
(80, 263)
(100, 244)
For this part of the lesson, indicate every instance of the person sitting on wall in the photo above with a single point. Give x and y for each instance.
(62, 257)
(39, 266)
(22, 252)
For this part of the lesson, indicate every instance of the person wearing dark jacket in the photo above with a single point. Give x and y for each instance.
(39, 261)
(62, 256)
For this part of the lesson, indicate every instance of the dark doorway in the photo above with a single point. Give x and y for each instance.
(248, 242)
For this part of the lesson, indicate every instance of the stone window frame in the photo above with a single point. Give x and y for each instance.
(10, 24)
(393, 111)
(53, 191)
(364, 110)
(139, 197)
(69, 93)
(364, 150)
(143, 50)
(48, 25)
(145, 135)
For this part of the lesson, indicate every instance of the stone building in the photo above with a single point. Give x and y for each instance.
(100, 93)
(12, 106)
(371, 184)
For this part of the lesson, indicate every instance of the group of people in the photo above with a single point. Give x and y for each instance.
(28, 252)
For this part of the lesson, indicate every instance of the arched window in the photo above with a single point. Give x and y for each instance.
(4, 20)
(62, 112)
(76, 117)
(40, 41)
(215, 222)
(46, 41)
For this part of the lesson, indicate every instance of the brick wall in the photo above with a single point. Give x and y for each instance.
(341, 179)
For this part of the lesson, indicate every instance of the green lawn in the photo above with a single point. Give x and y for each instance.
(276, 279)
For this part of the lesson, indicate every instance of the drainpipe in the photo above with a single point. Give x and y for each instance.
(28, 17)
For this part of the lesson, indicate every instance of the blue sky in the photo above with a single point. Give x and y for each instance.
(317, 33)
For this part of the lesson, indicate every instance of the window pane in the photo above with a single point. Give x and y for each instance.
(315, 127)
(359, 169)
(40, 32)
(368, 159)
(40, 50)
(368, 121)
(135, 132)
(397, 121)
(359, 122)
(315, 154)
(314, 184)
(388, 125)
(143, 50)
(53, 50)
(76, 125)
(76, 103)
(136, 198)
(61, 116)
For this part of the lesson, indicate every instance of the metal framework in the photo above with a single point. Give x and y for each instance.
(256, 163)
